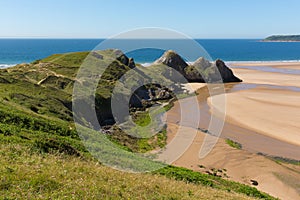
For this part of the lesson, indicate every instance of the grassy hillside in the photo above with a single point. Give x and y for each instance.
(42, 156)
(28, 175)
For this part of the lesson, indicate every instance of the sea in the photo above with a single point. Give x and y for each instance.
(15, 51)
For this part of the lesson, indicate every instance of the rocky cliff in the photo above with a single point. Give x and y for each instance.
(200, 71)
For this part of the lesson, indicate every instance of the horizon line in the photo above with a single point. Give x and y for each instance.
(92, 38)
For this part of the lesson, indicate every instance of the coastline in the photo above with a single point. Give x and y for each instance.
(271, 113)
(279, 41)
(4, 66)
(265, 63)
(260, 62)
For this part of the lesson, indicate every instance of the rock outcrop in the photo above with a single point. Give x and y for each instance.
(226, 73)
(200, 71)
(124, 59)
(202, 63)
(131, 63)
(172, 59)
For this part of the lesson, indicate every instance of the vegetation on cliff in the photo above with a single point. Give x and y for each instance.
(283, 38)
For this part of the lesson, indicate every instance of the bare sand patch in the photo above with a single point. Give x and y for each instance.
(193, 87)
(272, 112)
(243, 167)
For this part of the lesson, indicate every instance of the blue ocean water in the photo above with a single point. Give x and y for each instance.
(14, 51)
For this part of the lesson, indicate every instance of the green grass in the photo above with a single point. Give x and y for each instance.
(190, 176)
(30, 175)
(140, 145)
(233, 144)
(142, 118)
(169, 106)
(67, 60)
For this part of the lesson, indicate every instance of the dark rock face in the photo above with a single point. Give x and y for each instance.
(126, 61)
(144, 96)
(123, 59)
(131, 63)
(172, 59)
(200, 71)
(226, 73)
(159, 94)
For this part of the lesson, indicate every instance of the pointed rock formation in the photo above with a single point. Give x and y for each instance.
(201, 70)
(124, 59)
(226, 72)
(172, 59)
(202, 63)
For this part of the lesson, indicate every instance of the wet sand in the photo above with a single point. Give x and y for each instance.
(253, 140)
(269, 78)
(263, 115)
(284, 65)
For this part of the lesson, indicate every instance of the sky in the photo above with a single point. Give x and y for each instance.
(102, 19)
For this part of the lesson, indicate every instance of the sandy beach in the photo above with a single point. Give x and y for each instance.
(285, 65)
(269, 78)
(263, 114)
(273, 112)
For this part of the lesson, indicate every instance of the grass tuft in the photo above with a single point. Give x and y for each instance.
(234, 144)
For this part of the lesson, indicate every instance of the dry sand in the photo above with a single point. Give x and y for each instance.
(242, 166)
(272, 113)
(193, 87)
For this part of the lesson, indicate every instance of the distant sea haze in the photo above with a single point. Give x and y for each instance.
(14, 51)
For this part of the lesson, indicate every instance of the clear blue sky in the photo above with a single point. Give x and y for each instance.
(101, 19)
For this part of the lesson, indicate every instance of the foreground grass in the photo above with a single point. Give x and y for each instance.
(28, 175)
(179, 173)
